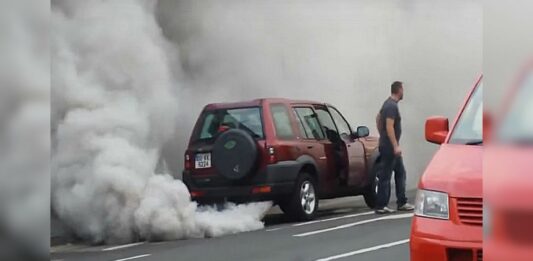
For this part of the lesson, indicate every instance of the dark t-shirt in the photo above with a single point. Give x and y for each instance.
(389, 110)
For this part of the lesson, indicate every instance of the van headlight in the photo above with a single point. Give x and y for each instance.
(432, 204)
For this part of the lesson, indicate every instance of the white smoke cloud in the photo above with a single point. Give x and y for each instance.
(115, 86)
(24, 126)
(158, 221)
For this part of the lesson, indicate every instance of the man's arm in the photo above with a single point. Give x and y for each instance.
(392, 135)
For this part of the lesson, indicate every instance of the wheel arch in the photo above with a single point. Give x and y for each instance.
(309, 166)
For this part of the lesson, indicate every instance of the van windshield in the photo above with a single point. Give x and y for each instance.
(517, 126)
(214, 122)
(469, 128)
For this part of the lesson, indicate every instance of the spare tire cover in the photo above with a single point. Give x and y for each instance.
(234, 154)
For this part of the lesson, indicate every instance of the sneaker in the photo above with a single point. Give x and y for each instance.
(384, 210)
(406, 207)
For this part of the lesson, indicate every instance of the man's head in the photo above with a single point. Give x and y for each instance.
(396, 90)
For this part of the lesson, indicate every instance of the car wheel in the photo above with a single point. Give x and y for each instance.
(370, 192)
(303, 202)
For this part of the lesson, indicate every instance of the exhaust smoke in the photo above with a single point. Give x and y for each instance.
(24, 126)
(114, 105)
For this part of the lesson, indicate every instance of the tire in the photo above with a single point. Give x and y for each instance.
(370, 191)
(234, 154)
(302, 204)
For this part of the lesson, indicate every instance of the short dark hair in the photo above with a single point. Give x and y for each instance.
(395, 87)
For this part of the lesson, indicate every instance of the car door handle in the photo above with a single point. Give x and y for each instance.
(309, 147)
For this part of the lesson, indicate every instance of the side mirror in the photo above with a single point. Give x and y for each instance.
(362, 131)
(437, 129)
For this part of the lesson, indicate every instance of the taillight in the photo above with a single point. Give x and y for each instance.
(188, 162)
(195, 194)
(261, 189)
(271, 155)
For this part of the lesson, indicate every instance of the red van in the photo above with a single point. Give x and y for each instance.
(508, 186)
(448, 221)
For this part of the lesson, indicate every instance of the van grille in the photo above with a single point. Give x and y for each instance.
(479, 255)
(470, 211)
(518, 227)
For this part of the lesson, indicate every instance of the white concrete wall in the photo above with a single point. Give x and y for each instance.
(344, 52)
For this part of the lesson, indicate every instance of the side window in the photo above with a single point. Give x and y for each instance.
(342, 125)
(309, 123)
(327, 123)
(282, 122)
(305, 133)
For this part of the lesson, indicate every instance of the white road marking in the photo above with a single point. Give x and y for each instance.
(401, 216)
(273, 229)
(365, 250)
(122, 246)
(321, 220)
(332, 219)
(133, 257)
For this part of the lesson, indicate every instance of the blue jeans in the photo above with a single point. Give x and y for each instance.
(390, 163)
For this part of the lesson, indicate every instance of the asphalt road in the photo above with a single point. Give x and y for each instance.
(344, 230)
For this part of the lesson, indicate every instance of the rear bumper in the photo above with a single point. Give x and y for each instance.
(274, 182)
(242, 193)
(437, 240)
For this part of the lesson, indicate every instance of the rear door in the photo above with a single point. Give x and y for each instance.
(313, 142)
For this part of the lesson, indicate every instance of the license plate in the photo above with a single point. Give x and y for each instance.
(203, 161)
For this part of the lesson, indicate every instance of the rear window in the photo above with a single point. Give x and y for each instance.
(217, 121)
(282, 122)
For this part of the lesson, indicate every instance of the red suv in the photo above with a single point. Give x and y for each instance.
(291, 152)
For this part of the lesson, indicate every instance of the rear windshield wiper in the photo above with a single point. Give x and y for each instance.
(474, 142)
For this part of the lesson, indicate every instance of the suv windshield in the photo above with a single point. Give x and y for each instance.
(517, 127)
(217, 121)
(469, 128)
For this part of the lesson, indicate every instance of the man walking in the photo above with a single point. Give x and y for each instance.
(390, 130)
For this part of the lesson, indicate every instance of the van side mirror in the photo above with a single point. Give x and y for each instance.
(437, 129)
(362, 131)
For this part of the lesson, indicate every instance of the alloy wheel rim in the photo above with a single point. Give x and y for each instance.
(307, 197)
